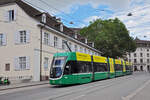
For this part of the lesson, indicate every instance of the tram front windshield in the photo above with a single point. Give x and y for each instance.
(57, 67)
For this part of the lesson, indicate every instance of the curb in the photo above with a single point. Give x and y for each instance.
(23, 86)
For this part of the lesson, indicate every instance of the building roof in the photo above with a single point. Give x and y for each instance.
(76, 30)
(142, 43)
(2, 2)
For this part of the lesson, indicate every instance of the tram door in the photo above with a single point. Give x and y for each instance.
(70, 72)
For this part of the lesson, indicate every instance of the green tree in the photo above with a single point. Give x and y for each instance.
(111, 37)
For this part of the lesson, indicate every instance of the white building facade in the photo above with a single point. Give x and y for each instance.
(29, 38)
(141, 57)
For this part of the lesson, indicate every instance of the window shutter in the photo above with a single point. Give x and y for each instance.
(28, 36)
(46, 60)
(60, 43)
(15, 14)
(6, 16)
(16, 63)
(73, 48)
(52, 40)
(43, 37)
(4, 39)
(28, 62)
(49, 38)
(17, 38)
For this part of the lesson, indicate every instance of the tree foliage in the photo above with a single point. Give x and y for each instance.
(111, 37)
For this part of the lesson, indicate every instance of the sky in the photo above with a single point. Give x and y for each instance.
(81, 12)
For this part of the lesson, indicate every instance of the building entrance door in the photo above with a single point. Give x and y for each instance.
(148, 68)
(135, 68)
(141, 68)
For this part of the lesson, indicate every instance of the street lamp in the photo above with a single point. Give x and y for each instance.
(129, 14)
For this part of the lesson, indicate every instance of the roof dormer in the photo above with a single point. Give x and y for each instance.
(61, 27)
(44, 18)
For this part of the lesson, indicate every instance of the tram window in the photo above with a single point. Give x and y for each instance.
(84, 67)
(77, 67)
(118, 67)
(69, 68)
(100, 67)
(127, 67)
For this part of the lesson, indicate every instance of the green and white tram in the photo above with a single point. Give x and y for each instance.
(78, 68)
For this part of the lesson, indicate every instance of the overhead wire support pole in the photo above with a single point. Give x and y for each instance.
(66, 42)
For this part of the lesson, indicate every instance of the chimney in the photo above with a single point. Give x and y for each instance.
(75, 36)
(86, 41)
(61, 27)
(93, 44)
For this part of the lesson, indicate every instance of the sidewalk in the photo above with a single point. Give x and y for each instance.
(20, 85)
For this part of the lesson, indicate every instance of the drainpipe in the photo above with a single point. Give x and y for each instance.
(41, 38)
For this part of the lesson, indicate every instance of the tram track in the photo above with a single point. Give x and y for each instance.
(92, 88)
(81, 92)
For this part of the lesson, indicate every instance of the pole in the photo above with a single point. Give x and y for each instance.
(68, 46)
(41, 53)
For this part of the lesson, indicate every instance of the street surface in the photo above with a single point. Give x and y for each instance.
(132, 87)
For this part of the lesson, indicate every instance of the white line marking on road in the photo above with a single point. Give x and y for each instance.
(136, 91)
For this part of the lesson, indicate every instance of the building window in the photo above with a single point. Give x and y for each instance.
(134, 54)
(141, 54)
(23, 36)
(2, 39)
(129, 55)
(63, 44)
(7, 67)
(147, 60)
(89, 51)
(92, 53)
(11, 15)
(70, 45)
(46, 38)
(46, 63)
(147, 54)
(141, 60)
(44, 18)
(135, 61)
(84, 50)
(147, 50)
(55, 41)
(95, 53)
(76, 48)
(22, 63)
(81, 49)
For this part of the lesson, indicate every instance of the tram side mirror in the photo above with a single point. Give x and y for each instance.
(68, 70)
(67, 67)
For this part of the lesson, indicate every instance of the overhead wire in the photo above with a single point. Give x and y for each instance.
(81, 22)
(47, 11)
